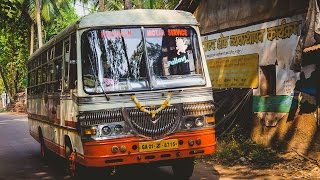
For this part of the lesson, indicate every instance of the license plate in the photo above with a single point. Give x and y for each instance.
(158, 145)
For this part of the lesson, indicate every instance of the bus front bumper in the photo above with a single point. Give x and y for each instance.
(98, 153)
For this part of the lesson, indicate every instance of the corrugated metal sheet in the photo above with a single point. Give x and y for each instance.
(224, 14)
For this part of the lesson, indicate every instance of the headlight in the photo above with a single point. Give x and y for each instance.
(199, 121)
(118, 129)
(106, 130)
(188, 123)
(112, 130)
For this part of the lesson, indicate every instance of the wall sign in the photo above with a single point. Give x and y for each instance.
(234, 71)
(274, 42)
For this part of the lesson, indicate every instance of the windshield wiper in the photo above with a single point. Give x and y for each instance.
(104, 92)
(96, 79)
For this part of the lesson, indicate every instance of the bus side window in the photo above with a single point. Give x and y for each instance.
(44, 78)
(58, 66)
(51, 78)
(70, 63)
(58, 74)
(73, 62)
(66, 60)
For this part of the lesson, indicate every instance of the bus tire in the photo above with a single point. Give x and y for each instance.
(183, 168)
(43, 148)
(67, 153)
(77, 171)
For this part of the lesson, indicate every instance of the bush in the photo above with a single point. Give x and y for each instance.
(234, 148)
(20, 107)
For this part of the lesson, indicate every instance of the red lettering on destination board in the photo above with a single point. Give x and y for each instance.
(116, 33)
(177, 32)
(155, 32)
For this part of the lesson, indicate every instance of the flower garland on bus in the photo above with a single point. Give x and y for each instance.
(152, 112)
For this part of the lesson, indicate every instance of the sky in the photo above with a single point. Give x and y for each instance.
(81, 9)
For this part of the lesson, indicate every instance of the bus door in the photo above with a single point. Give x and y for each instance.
(54, 83)
(69, 81)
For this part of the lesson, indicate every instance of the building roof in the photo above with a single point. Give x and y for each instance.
(188, 5)
(137, 17)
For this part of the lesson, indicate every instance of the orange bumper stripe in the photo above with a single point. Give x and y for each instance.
(98, 153)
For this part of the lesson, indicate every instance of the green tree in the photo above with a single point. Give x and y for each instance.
(15, 22)
(112, 5)
(67, 17)
(43, 10)
(141, 4)
(14, 49)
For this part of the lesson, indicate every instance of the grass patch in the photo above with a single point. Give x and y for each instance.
(234, 148)
(2, 110)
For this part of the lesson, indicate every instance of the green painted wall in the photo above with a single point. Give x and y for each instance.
(281, 104)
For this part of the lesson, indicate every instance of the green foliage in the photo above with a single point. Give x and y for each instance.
(112, 5)
(1, 87)
(50, 9)
(14, 44)
(15, 36)
(234, 148)
(2, 110)
(67, 17)
(8, 11)
(55, 14)
(160, 4)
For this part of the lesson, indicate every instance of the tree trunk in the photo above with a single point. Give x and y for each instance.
(141, 5)
(101, 5)
(38, 18)
(127, 4)
(6, 86)
(31, 38)
(16, 80)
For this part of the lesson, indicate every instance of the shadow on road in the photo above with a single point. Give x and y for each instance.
(55, 165)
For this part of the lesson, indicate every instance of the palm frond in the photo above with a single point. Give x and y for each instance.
(55, 8)
(114, 5)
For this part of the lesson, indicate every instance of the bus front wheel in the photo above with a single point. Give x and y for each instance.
(70, 163)
(183, 168)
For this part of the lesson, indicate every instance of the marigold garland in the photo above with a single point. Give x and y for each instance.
(152, 112)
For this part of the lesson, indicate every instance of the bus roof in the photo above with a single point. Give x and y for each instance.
(130, 17)
(137, 17)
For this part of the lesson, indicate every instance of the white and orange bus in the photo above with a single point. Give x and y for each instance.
(123, 87)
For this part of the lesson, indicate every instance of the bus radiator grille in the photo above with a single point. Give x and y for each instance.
(164, 123)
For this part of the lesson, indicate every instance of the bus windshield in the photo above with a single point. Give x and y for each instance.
(143, 58)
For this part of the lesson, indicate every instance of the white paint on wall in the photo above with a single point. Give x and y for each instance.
(307, 70)
(276, 51)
